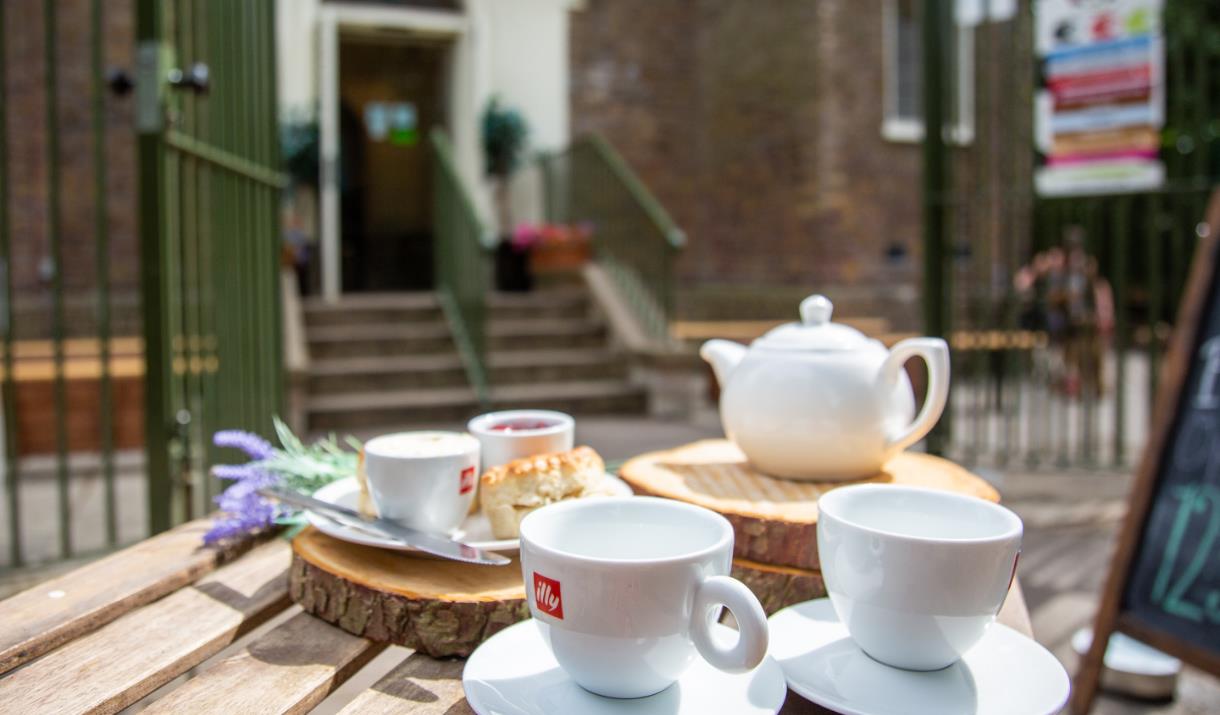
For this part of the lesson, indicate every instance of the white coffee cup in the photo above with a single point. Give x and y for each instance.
(513, 434)
(424, 480)
(625, 591)
(915, 574)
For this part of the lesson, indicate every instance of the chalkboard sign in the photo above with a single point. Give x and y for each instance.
(1164, 585)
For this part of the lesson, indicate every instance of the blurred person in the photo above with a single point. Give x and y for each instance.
(1065, 296)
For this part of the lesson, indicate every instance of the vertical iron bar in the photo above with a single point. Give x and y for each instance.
(102, 239)
(204, 186)
(1119, 300)
(51, 47)
(273, 218)
(937, 25)
(152, 288)
(12, 481)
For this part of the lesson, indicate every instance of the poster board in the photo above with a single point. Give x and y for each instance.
(1101, 105)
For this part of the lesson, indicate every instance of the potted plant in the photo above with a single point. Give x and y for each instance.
(555, 247)
(504, 138)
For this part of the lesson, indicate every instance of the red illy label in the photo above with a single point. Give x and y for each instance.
(547, 596)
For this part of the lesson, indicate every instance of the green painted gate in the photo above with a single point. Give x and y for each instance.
(139, 255)
(209, 197)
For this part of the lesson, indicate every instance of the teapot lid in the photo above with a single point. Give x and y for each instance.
(815, 331)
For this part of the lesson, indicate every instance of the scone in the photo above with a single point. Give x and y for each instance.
(510, 491)
(365, 503)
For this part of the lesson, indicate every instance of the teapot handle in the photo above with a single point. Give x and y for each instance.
(935, 352)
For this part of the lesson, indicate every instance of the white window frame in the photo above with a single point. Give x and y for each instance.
(897, 128)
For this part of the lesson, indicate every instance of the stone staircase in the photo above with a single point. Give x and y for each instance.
(388, 359)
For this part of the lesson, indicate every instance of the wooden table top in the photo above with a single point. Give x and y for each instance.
(104, 636)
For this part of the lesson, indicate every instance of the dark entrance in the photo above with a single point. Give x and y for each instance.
(390, 93)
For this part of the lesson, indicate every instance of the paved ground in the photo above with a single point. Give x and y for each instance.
(1071, 519)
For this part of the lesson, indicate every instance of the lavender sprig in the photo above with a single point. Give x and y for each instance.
(248, 442)
(294, 465)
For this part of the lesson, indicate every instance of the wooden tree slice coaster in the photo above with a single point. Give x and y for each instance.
(442, 608)
(778, 586)
(775, 520)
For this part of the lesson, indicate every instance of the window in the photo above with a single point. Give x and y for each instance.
(902, 41)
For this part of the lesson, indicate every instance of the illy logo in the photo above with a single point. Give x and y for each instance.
(547, 596)
(467, 482)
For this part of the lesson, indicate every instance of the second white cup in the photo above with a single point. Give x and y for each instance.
(424, 480)
(916, 575)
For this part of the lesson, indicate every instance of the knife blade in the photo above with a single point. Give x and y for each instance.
(434, 544)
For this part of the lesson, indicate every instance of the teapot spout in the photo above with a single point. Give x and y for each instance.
(724, 356)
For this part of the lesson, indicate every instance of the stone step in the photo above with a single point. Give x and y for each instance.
(536, 334)
(554, 303)
(378, 339)
(373, 308)
(362, 301)
(447, 404)
(367, 374)
(413, 307)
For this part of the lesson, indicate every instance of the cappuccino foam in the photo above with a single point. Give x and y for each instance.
(421, 444)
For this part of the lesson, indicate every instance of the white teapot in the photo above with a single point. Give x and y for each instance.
(818, 400)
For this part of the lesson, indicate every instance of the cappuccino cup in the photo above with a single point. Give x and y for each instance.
(625, 591)
(424, 480)
(916, 575)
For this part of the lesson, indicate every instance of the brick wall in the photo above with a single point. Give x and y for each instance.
(760, 131)
(25, 107)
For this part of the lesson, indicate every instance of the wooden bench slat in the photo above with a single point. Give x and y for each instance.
(419, 685)
(133, 655)
(290, 669)
(56, 611)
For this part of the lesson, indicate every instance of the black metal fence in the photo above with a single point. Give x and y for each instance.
(1059, 309)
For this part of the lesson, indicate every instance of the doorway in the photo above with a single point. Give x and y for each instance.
(391, 92)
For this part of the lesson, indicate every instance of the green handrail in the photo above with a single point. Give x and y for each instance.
(648, 203)
(461, 245)
(634, 238)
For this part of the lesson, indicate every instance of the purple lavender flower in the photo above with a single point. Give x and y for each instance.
(248, 442)
(234, 471)
(244, 510)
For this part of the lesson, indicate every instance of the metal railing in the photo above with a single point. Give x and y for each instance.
(1060, 308)
(462, 247)
(634, 238)
(138, 310)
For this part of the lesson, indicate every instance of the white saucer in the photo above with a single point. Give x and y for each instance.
(514, 673)
(1004, 673)
(475, 531)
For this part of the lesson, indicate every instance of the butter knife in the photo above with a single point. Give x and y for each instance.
(434, 544)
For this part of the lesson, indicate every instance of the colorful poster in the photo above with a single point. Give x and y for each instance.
(1101, 103)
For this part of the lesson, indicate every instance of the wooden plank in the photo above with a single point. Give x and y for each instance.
(747, 330)
(122, 662)
(419, 685)
(288, 670)
(75, 347)
(56, 611)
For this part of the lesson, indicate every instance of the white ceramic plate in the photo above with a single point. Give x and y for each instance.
(475, 531)
(1004, 674)
(514, 673)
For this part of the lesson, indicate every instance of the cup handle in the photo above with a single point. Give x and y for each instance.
(751, 645)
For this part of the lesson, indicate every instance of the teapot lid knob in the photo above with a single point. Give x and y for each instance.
(816, 310)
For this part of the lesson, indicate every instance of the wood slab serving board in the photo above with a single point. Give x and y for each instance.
(774, 520)
(442, 608)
